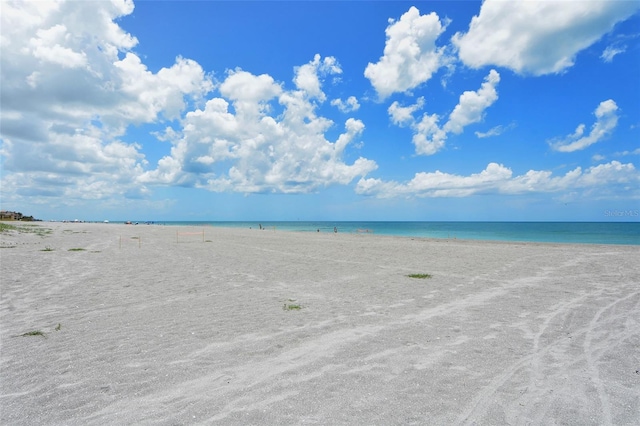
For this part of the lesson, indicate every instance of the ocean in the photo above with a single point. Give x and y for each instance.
(550, 232)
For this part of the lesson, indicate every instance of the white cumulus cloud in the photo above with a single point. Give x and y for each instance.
(402, 116)
(71, 87)
(429, 136)
(496, 178)
(48, 46)
(410, 53)
(308, 76)
(606, 121)
(525, 36)
(255, 150)
(348, 105)
(471, 106)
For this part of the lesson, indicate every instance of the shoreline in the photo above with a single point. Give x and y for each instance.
(327, 228)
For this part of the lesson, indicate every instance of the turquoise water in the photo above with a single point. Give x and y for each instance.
(553, 232)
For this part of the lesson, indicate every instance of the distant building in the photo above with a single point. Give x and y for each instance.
(7, 215)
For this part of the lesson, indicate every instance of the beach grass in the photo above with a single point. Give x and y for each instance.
(33, 333)
(291, 306)
(76, 249)
(71, 231)
(4, 227)
(26, 228)
(420, 276)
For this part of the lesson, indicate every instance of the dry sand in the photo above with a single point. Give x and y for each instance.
(150, 331)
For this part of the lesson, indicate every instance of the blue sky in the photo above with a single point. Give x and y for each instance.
(360, 110)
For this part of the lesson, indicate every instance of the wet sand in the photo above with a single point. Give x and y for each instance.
(141, 329)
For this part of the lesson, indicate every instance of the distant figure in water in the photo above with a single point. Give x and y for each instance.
(335, 230)
(318, 230)
(260, 225)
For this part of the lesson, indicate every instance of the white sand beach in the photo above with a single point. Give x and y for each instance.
(140, 329)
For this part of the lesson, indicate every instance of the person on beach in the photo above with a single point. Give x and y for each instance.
(335, 230)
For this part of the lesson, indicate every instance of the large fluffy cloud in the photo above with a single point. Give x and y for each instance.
(253, 150)
(606, 120)
(70, 88)
(410, 53)
(537, 37)
(496, 178)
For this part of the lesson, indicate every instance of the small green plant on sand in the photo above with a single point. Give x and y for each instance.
(59, 327)
(419, 276)
(47, 248)
(291, 306)
(33, 333)
(76, 249)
